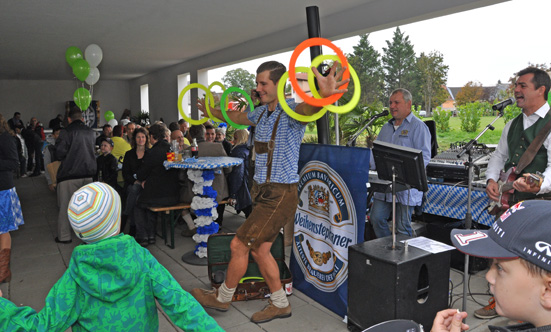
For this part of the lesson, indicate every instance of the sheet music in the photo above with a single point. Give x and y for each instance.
(427, 244)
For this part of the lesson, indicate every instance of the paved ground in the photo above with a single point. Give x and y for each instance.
(38, 262)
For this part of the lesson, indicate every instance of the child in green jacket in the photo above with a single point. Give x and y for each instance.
(111, 283)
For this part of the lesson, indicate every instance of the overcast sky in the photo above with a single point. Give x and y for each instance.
(483, 45)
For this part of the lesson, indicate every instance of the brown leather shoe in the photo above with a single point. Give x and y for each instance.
(270, 312)
(208, 299)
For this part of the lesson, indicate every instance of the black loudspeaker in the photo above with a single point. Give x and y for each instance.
(440, 231)
(386, 284)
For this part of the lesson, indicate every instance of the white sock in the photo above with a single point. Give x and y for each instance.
(189, 221)
(279, 299)
(225, 294)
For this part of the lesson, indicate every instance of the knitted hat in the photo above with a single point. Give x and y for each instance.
(522, 231)
(94, 212)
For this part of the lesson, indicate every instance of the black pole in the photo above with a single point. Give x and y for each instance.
(313, 21)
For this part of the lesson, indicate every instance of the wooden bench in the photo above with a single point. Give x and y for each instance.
(169, 218)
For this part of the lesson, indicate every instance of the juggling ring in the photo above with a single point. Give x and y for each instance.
(181, 96)
(355, 97)
(222, 102)
(286, 108)
(207, 105)
(293, 78)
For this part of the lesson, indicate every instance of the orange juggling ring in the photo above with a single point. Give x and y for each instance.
(293, 77)
(289, 110)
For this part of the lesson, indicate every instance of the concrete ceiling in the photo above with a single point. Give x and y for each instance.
(141, 36)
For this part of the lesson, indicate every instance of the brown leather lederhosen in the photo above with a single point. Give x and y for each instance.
(272, 202)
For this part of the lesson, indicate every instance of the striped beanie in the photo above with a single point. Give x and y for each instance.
(94, 212)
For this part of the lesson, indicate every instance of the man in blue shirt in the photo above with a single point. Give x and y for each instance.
(406, 130)
(274, 192)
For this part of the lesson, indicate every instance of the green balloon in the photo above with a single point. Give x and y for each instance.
(72, 54)
(549, 98)
(81, 69)
(109, 116)
(82, 98)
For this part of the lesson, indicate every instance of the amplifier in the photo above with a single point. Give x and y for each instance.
(386, 284)
(447, 166)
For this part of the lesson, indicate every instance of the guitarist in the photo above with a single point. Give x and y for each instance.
(531, 93)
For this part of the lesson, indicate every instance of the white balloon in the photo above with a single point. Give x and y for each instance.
(113, 122)
(93, 77)
(93, 54)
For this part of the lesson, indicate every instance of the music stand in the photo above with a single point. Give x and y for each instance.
(401, 165)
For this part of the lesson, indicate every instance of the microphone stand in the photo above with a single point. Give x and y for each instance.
(468, 216)
(373, 118)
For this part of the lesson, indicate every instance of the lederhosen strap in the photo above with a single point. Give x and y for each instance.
(267, 147)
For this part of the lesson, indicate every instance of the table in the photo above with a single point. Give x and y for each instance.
(451, 201)
(201, 172)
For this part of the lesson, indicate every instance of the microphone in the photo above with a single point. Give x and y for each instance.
(376, 116)
(503, 104)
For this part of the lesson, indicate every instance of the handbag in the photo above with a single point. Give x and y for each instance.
(52, 170)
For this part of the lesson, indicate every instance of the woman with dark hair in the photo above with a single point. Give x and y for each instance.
(10, 208)
(133, 160)
(160, 186)
(238, 179)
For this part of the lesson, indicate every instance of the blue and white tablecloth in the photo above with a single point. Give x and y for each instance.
(205, 163)
(450, 201)
(201, 173)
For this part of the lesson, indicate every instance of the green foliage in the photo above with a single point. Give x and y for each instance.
(367, 64)
(353, 121)
(399, 64)
(470, 115)
(433, 74)
(416, 110)
(510, 112)
(442, 119)
(310, 139)
(486, 108)
(351, 124)
(240, 78)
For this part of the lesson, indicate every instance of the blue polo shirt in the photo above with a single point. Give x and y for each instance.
(412, 133)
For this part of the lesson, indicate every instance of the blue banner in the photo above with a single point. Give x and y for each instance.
(330, 217)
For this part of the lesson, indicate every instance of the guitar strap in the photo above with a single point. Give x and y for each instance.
(533, 148)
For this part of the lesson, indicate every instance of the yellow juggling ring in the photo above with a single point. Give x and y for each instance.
(286, 108)
(207, 104)
(355, 97)
(181, 96)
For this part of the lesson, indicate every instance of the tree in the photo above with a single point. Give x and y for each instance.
(433, 73)
(442, 94)
(469, 93)
(399, 63)
(367, 64)
(512, 80)
(240, 78)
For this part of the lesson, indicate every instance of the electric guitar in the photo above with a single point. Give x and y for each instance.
(505, 183)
